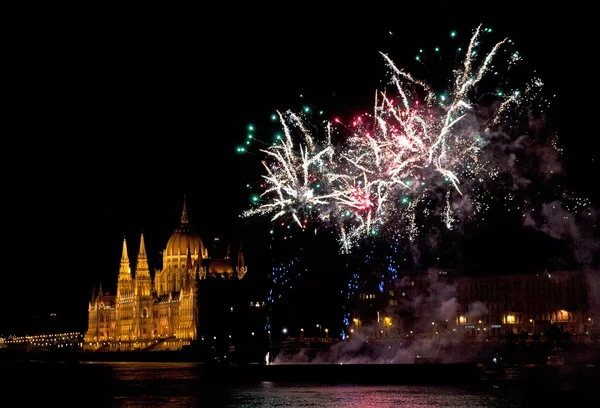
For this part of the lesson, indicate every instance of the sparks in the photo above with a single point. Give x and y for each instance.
(415, 144)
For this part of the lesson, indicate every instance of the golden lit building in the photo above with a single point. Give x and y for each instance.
(160, 312)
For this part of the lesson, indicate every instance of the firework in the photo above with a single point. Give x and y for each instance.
(415, 145)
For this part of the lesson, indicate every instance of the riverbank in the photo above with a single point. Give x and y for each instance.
(570, 376)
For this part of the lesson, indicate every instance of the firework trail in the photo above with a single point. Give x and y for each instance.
(416, 144)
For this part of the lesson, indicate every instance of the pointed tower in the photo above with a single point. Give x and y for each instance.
(241, 268)
(142, 271)
(125, 269)
(228, 255)
(125, 283)
(143, 296)
(124, 304)
(184, 213)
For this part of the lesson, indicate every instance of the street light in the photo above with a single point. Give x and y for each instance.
(327, 332)
(319, 327)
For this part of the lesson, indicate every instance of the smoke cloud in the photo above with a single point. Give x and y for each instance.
(578, 231)
(432, 313)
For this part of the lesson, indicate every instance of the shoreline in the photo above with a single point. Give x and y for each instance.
(580, 376)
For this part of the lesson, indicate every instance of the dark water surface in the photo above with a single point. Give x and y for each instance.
(170, 385)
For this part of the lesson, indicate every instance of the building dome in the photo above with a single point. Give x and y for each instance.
(183, 238)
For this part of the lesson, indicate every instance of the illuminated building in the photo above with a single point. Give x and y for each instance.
(477, 306)
(193, 296)
(526, 302)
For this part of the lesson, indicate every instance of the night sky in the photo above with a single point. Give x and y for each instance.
(118, 119)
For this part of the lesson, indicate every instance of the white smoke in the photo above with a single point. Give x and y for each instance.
(419, 339)
(476, 310)
(579, 230)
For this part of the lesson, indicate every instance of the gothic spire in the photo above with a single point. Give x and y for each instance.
(142, 268)
(125, 270)
(184, 214)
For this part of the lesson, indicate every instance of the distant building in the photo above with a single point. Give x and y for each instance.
(526, 302)
(431, 302)
(194, 297)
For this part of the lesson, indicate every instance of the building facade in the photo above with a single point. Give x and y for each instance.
(163, 312)
(528, 303)
(434, 302)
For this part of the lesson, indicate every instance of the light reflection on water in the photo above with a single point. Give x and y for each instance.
(174, 385)
(361, 396)
(320, 396)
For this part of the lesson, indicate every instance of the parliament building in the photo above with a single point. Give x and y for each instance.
(193, 298)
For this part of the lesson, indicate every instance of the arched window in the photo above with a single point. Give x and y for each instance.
(144, 313)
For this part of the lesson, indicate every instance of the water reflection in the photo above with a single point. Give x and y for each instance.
(362, 396)
(177, 385)
(174, 385)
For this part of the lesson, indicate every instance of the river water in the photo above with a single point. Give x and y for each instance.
(174, 385)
